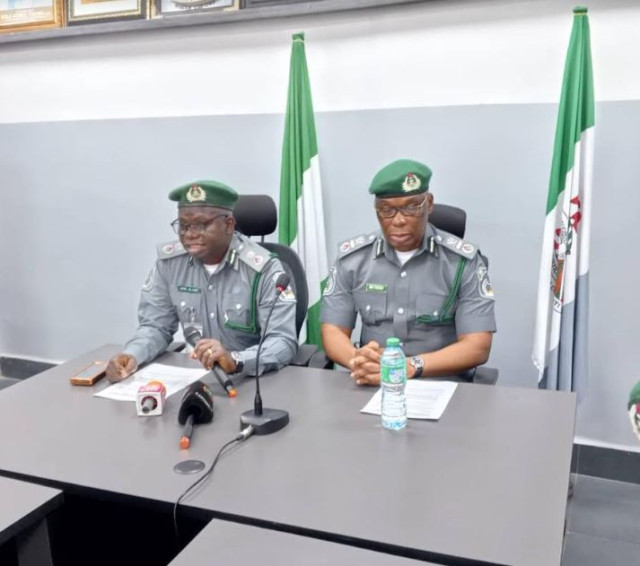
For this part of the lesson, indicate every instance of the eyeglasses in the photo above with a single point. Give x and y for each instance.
(385, 211)
(197, 228)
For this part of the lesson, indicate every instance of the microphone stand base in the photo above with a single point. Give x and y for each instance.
(271, 420)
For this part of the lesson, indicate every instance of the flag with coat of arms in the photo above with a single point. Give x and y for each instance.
(561, 334)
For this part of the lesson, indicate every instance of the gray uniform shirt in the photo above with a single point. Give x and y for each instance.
(441, 292)
(230, 305)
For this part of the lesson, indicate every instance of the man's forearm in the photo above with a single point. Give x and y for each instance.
(457, 357)
(337, 344)
(277, 352)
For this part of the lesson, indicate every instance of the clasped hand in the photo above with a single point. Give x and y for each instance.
(365, 364)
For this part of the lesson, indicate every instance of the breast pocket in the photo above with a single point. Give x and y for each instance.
(237, 313)
(434, 309)
(371, 306)
(188, 307)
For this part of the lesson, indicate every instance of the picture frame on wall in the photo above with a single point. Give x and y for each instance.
(178, 7)
(95, 11)
(26, 15)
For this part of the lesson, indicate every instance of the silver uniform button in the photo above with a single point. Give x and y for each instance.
(403, 274)
(210, 287)
(400, 310)
(183, 304)
(212, 315)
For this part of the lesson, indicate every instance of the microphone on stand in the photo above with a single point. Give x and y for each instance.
(266, 421)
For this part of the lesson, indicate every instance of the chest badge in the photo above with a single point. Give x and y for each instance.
(187, 289)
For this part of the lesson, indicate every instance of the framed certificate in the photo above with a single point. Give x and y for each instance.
(90, 11)
(23, 15)
(171, 7)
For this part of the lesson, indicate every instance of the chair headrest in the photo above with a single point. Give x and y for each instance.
(449, 218)
(256, 215)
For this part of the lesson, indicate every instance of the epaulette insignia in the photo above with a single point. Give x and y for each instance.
(170, 249)
(457, 245)
(353, 244)
(255, 256)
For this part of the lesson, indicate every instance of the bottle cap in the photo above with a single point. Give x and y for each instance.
(393, 341)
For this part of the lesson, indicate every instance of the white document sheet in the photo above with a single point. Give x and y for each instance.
(174, 379)
(425, 399)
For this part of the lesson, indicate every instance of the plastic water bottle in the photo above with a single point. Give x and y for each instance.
(393, 378)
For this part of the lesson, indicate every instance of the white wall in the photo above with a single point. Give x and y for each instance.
(433, 54)
(429, 54)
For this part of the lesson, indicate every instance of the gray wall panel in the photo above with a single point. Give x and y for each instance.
(82, 205)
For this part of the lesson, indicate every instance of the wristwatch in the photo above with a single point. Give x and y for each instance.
(237, 357)
(418, 364)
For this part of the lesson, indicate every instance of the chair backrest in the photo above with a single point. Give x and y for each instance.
(256, 215)
(449, 218)
(453, 220)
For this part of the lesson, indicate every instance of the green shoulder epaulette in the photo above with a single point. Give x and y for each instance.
(170, 249)
(455, 244)
(254, 255)
(351, 245)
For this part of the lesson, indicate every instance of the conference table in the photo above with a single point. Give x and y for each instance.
(24, 509)
(485, 484)
(227, 543)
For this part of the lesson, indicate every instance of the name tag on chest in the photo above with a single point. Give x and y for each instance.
(376, 288)
(187, 289)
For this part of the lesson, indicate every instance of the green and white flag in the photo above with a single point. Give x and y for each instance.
(301, 214)
(560, 345)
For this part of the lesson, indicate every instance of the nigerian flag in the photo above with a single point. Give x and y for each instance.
(560, 344)
(301, 216)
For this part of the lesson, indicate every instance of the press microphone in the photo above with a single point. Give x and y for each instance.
(192, 336)
(196, 408)
(266, 421)
(150, 399)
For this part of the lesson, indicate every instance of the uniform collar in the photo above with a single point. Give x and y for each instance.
(231, 257)
(234, 251)
(382, 248)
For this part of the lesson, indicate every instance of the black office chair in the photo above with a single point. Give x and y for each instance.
(449, 218)
(453, 220)
(256, 215)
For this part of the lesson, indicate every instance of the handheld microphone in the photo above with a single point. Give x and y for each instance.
(192, 336)
(150, 399)
(196, 408)
(266, 421)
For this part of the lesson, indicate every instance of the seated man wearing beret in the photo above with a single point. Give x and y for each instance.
(218, 281)
(413, 281)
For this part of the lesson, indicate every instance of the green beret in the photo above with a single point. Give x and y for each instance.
(634, 396)
(401, 178)
(204, 193)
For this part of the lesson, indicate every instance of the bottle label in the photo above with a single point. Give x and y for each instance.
(393, 374)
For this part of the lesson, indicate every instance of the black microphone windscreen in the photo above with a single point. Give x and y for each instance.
(282, 282)
(192, 335)
(197, 401)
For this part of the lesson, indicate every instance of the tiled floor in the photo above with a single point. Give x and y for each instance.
(603, 524)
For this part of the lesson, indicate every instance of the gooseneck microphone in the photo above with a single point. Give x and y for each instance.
(266, 421)
(192, 336)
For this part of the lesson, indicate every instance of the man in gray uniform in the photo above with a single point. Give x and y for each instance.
(218, 281)
(412, 281)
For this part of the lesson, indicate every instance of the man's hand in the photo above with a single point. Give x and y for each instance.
(210, 351)
(365, 364)
(120, 367)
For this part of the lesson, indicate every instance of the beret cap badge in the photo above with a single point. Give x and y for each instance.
(410, 183)
(196, 194)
